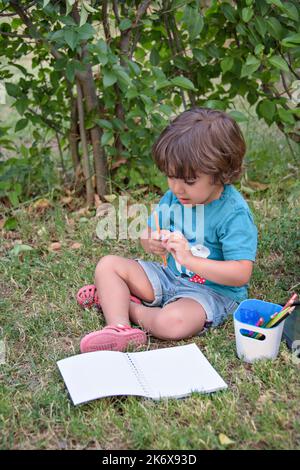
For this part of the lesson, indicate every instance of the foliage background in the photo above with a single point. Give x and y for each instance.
(102, 79)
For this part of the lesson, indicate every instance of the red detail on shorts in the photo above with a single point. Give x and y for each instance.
(198, 279)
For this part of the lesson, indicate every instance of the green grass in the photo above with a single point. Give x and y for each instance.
(41, 323)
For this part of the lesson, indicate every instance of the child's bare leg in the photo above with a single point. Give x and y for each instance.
(115, 279)
(177, 320)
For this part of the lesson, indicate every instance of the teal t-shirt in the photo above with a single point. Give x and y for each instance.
(221, 230)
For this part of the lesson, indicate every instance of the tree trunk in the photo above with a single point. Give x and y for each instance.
(73, 135)
(91, 101)
(85, 154)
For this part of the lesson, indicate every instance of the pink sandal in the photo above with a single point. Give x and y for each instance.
(112, 338)
(87, 297)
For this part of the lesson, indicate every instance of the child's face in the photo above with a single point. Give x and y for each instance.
(198, 191)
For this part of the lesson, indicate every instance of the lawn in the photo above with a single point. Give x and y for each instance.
(41, 323)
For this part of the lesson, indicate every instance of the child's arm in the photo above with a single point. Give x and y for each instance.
(228, 273)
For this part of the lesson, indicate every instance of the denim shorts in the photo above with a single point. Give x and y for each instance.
(169, 287)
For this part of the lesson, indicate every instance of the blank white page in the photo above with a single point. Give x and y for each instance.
(98, 374)
(176, 372)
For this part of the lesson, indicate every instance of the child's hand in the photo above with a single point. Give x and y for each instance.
(179, 247)
(156, 244)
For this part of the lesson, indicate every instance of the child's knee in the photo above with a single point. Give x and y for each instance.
(169, 325)
(107, 262)
(111, 263)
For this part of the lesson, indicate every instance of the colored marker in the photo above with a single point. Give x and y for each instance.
(288, 304)
(281, 317)
(260, 322)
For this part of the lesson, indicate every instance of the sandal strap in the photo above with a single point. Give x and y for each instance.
(118, 327)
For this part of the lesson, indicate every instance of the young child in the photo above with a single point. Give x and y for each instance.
(207, 232)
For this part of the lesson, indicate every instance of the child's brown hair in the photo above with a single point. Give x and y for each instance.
(201, 140)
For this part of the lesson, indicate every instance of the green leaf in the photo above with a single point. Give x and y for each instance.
(286, 116)
(177, 100)
(68, 20)
(21, 124)
(12, 89)
(83, 15)
(20, 67)
(10, 223)
(238, 116)
(162, 84)
(259, 49)
(46, 3)
(266, 109)
(126, 23)
(247, 14)
(69, 4)
(182, 63)
(21, 105)
(291, 11)
(122, 75)
(118, 124)
(17, 249)
(229, 12)
(279, 63)
(106, 137)
(109, 78)
(215, 104)
(292, 40)
(183, 82)
(199, 56)
(104, 124)
(13, 197)
(101, 50)
(227, 64)
(70, 71)
(88, 7)
(278, 3)
(275, 28)
(261, 26)
(193, 20)
(132, 93)
(86, 31)
(16, 23)
(251, 65)
(57, 35)
(60, 64)
(134, 68)
(154, 56)
(71, 38)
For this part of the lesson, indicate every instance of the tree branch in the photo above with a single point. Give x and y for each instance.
(27, 20)
(14, 35)
(85, 153)
(14, 14)
(46, 121)
(289, 66)
(141, 10)
(116, 11)
(285, 85)
(105, 21)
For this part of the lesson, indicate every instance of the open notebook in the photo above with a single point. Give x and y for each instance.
(161, 373)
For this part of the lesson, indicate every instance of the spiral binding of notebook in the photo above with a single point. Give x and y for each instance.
(140, 377)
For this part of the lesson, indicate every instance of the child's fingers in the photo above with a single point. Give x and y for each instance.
(161, 252)
(155, 235)
(165, 234)
(176, 245)
(157, 248)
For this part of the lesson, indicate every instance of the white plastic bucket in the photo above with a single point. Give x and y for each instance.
(246, 316)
